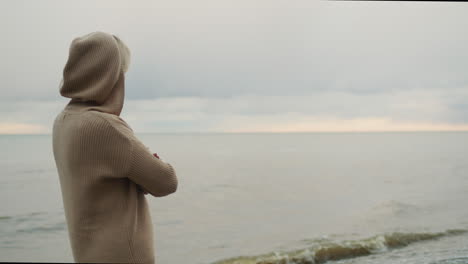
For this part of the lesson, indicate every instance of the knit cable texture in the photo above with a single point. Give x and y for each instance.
(100, 162)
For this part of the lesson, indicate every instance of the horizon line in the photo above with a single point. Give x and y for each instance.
(266, 132)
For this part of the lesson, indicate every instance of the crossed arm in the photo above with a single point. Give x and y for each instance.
(149, 172)
(142, 188)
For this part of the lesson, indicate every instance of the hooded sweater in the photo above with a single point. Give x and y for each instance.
(100, 163)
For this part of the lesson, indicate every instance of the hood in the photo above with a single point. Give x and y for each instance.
(94, 75)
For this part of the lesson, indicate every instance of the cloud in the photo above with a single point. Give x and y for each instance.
(290, 122)
(218, 65)
(324, 111)
(234, 48)
(22, 128)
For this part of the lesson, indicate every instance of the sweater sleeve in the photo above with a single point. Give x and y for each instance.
(156, 176)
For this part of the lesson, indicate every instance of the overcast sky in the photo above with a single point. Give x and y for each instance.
(248, 65)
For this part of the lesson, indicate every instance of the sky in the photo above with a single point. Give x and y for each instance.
(248, 65)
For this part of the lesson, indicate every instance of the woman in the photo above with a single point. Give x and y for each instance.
(104, 170)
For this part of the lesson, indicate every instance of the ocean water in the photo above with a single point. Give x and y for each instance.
(268, 199)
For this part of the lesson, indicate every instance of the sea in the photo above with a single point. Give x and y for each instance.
(267, 198)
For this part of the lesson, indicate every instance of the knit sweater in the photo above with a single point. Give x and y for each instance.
(101, 164)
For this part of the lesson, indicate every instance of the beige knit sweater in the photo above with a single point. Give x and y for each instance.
(100, 163)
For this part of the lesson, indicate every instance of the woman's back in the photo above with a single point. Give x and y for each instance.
(102, 165)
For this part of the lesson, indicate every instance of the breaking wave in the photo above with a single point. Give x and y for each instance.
(326, 251)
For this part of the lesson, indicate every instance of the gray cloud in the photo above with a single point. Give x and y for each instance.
(205, 114)
(405, 61)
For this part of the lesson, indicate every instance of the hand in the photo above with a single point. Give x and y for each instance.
(142, 189)
(156, 155)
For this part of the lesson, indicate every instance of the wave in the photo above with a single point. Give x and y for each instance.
(33, 222)
(462, 260)
(44, 228)
(326, 251)
(395, 209)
